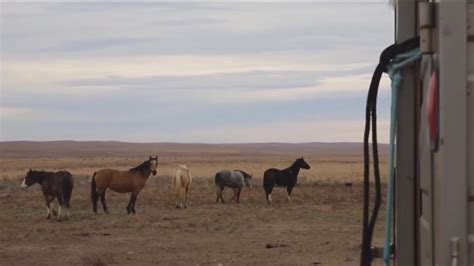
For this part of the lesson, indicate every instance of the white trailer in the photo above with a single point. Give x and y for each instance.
(434, 186)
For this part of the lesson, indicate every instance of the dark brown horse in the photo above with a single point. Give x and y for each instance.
(129, 181)
(286, 177)
(57, 185)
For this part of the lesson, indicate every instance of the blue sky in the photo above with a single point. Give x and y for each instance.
(191, 72)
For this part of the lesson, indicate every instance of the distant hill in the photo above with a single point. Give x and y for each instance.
(51, 149)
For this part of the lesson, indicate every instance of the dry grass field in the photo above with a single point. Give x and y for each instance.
(320, 227)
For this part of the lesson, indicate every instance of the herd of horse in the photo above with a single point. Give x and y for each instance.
(59, 185)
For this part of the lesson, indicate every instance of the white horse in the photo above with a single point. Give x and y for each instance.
(181, 179)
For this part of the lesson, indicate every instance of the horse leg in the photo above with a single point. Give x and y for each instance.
(186, 198)
(289, 189)
(54, 211)
(177, 201)
(94, 198)
(269, 190)
(222, 195)
(268, 184)
(67, 212)
(180, 197)
(218, 189)
(102, 200)
(134, 201)
(235, 194)
(60, 204)
(129, 206)
(238, 194)
(67, 204)
(48, 199)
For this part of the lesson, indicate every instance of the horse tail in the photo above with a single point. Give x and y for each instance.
(68, 186)
(173, 178)
(216, 179)
(178, 182)
(219, 183)
(190, 178)
(268, 181)
(94, 194)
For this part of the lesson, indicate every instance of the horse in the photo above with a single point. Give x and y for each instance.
(57, 185)
(128, 181)
(181, 179)
(286, 177)
(234, 179)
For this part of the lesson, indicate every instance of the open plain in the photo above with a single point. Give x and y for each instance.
(321, 226)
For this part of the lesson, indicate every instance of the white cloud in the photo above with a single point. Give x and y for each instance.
(334, 88)
(50, 74)
(13, 112)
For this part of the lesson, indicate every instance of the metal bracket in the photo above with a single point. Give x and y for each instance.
(454, 251)
(377, 252)
(426, 20)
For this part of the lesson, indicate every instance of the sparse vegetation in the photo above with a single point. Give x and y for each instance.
(321, 224)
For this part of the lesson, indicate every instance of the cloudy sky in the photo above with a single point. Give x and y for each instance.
(190, 72)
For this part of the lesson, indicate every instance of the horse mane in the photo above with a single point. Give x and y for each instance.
(297, 161)
(39, 175)
(243, 173)
(41, 172)
(143, 168)
(294, 163)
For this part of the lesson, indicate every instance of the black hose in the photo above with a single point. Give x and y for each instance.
(371, 116)
(371, 113)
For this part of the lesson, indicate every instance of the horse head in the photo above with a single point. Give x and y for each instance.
(153, 163)
(29, 179)
(247, 178)
(302, 164)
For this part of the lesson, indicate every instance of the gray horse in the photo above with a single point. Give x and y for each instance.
(234, 179)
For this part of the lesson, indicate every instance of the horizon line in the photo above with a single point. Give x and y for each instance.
(193, 143)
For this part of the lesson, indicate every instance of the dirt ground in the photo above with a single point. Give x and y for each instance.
(321, 226)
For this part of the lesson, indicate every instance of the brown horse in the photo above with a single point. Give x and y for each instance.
(129, 181)
(57, 185)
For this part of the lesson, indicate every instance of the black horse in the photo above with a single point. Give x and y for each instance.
(286, 177)
(57, 185)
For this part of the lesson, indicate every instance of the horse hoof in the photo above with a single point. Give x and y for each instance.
(48, 217)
